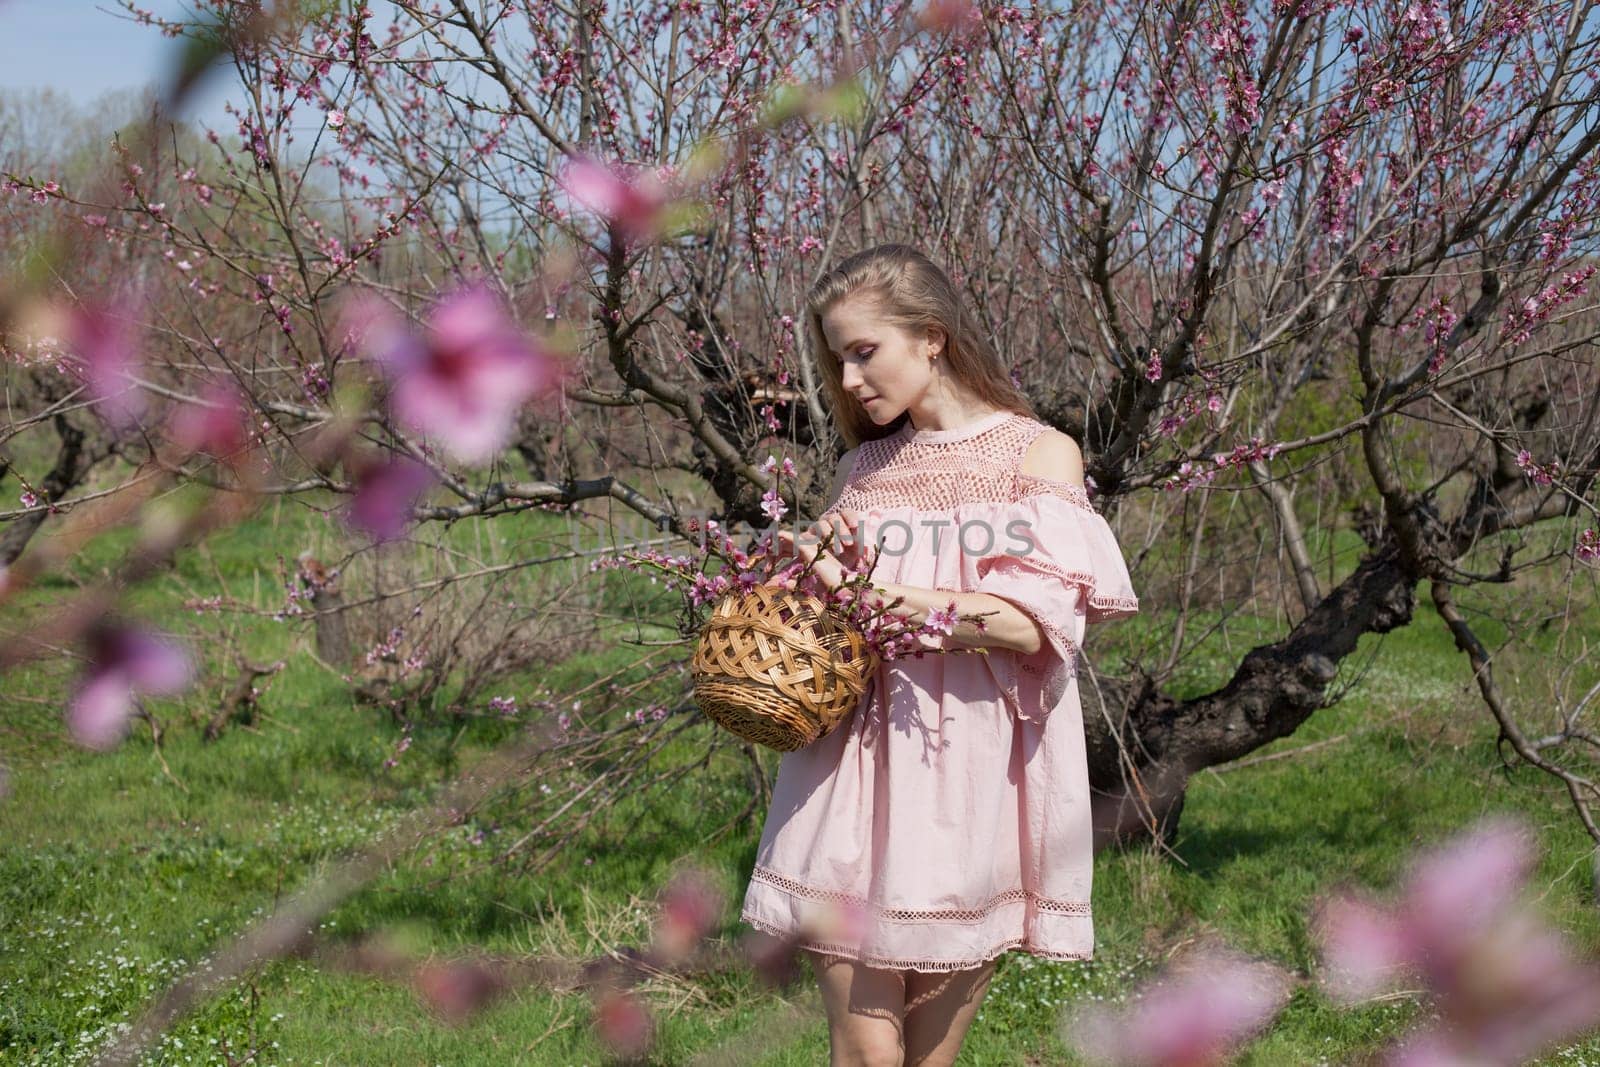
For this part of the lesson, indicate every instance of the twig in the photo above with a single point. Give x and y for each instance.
(1250, 761)
(155, 746)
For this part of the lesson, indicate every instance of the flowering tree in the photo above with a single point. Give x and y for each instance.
(1297, 233)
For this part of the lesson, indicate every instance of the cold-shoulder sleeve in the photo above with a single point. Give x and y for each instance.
(1056, 559)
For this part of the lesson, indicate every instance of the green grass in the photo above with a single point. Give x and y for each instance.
(114, 878)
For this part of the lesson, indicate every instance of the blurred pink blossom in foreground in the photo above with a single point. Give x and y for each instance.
(1194, 1014)
(219, 425)
(386, 491)
(689, 908)
(463, 380)
(957, 16)
(123, 663)
(106, 343)
(1505, 987)
(458, 989)
(636, 205)
(622, 1022)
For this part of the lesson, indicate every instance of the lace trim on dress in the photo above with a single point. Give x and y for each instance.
(1096, 600)
(1069, 664)
(959, 915)
(1053, 673)
(845, 952)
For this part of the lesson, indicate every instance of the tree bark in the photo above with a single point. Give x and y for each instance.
(1143, 746)
(72, 464)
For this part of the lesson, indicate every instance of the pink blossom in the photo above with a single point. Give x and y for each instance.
(1505, 987)
(399, 749)
(1538, 473)
(335, 119)
(1438, 321)
(635, 205)
(458, 989)
(1462, 888)
(1364, 948)
(1193, 1017)
(124, 663)
(106, 344)
(772, 505)
(1340, 182)
(1520, 322)
(689, 908)
(708, 589)
(943, 620)
(953, 16)
(1588, 546)
(466, 378)
(28, 499)
(385, 493)
(623, 1024)
(218, 425)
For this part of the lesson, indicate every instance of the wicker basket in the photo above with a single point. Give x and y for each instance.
(774, 667)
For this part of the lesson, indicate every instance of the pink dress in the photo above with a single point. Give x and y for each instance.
(950, 814)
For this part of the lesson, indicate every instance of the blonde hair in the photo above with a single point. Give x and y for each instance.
(913, 293)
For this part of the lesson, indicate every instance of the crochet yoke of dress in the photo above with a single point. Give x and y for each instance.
(940, 470)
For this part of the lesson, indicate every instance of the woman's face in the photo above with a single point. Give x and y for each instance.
(885, 368)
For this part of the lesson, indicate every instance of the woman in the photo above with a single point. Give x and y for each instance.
(950, 814)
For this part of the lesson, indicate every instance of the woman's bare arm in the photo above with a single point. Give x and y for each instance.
(1009, 627)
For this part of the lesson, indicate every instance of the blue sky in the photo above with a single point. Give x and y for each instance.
(83, 49)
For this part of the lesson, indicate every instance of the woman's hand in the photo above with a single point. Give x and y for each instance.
(841, 526)
(825, 564)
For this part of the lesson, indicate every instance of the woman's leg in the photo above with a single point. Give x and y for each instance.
(939, 1010)
(866, 1012)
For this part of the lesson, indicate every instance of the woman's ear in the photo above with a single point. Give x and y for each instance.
(936, 340)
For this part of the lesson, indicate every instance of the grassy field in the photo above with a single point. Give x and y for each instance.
(118, 872)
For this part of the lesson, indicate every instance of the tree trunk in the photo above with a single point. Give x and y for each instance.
(333, 635)
(1143, 747)
(71, 467)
